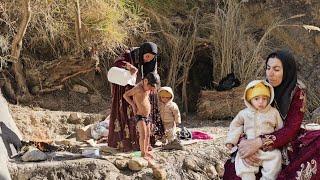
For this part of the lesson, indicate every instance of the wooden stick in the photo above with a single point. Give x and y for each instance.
(75, 74)
(46, 90)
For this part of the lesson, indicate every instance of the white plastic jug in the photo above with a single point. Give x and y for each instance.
(121, 76)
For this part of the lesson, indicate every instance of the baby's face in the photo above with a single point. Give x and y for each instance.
(165, 99)
(259, 102)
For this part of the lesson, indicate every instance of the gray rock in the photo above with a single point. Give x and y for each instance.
(219, 168)
(88, 120)
(80, 89)
(121, 163)
(211, 171)
(94, 99)
(159, 173)
(83, 134)
(33, 119)
(191, 164)
(137, 163)
(34, 154)
(74, 118)
(112, 175)
(123, 177)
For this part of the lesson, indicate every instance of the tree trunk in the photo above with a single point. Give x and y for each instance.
(188, 64)
(78, 25)
(8, 89)
(23, 91)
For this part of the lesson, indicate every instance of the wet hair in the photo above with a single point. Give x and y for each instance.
(153, 79)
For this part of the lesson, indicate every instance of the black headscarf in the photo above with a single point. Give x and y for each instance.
(283, 92)
(137, 56)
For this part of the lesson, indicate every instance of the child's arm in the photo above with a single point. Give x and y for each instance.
(235, 129)
(127, 96)
(176, 113)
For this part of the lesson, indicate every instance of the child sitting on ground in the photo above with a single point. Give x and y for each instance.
(141, 107)
(257, 119)
(170, 116)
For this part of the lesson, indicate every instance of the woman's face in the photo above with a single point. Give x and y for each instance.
(148, 57)
(274, 71)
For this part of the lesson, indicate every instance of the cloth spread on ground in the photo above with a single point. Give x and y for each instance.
(201, 135)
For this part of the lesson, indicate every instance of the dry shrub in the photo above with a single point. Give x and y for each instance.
(235, 49)
(178, 41)
(109, 23)
(106, 24)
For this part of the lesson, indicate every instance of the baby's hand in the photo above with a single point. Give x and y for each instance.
(229, 146)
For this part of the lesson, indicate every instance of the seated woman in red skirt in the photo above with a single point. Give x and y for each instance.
(300, 148)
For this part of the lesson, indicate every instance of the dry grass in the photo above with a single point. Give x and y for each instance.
(235, 49)
(107, 24)
(111, 25)
(178, 43)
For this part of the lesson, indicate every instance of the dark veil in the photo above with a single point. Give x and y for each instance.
(283, 92)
